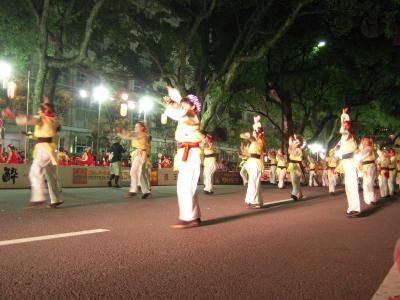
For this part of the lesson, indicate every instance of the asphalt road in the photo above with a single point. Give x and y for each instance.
(290, 250)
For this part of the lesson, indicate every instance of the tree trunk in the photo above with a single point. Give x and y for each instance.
(39, 83)
(54, 74)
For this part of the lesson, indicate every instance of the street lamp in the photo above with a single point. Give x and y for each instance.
(131, 105)
(5, 72)
(100, 94)
(321, 44)
(145, 105)
(124, 96)
(83, 94)
(316, 149)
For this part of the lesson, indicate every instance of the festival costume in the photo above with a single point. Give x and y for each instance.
(332, 163)
(281, 169)
(254, 168)
(347, 148)
(140, 146)
(383, 171)
(210, 165)
(368, 171)
(44, 157)
(272, 167)
(244, 156)
(392, 174)
(312, 181)
(295, 168)
(324, 172)
(187, 161)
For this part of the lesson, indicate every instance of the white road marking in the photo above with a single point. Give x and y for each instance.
(390, 287)
(51, 237)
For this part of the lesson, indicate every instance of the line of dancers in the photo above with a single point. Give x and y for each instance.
(347, 158)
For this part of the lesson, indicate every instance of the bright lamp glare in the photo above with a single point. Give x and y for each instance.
(145, 104)
(83, 93)
(321, 44)
(124, 96)
(100, 93)
(316, 148)
(5, 70)
(131, 105)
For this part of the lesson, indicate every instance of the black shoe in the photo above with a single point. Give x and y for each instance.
(117, 186)
(35, 204)
(374, 203)
(144, 196)
(253, 206)
(130, 195)
(353, 214)
(109, 183)
(294, 197)
(187, 224)
(332, 193)
(54, 205)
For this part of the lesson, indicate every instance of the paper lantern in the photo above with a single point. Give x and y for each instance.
(124, 110)
(11, 90)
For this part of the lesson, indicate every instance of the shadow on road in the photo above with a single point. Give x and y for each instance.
(374, 209)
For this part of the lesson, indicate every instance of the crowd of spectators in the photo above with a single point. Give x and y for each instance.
(11, 155)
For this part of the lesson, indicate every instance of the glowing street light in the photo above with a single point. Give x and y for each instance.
(83, 94)
(5, 70)
(131, 105)
(100, 93)
(145, 105)
(321, 44)
(316, 149)
(124, 96)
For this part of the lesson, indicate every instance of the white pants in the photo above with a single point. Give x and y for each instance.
(145, 178)
(351, 185)
(281, 178)
(312, 181)
(324, 177)
(210, 166)
(368, 183)
(136, 172)
(331, 181)
(254, 170)
(188, 177)
(383, 185)
(42, 163)
(272, 174)
(392, 182)
(244, 175)
(295, 176)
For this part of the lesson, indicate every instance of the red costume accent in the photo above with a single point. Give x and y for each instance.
(187, 147)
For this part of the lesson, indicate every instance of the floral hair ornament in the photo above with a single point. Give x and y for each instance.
(195, 101)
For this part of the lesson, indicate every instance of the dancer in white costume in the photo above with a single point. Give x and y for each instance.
(312, 180)
(209, 162)
(139, 156)
(332, 163)
(295, 167)
(324, 170)
(281, 168)
(368, 169)
(244, 156)
(272, 166)
(187, 160)
(44, 157)
(383, 171)
(392, 171)
(348, 146)
(255, 165)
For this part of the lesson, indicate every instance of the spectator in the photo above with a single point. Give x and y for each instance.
(2, 158)
(115, 162)
(62, 157)
(12, 155)
(87, 158)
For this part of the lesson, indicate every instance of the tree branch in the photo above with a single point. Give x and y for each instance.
(66, 62)
(34, 11)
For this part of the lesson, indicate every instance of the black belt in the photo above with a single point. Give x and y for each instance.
(209, 155)
(312, 169)
(271, 165)
(367, 162)
(348, 155)
(391, 169)
(282, 167)
(255, 155)
(44, 140)
(295, 161)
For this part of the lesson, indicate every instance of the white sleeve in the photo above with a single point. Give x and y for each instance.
(175, 111)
